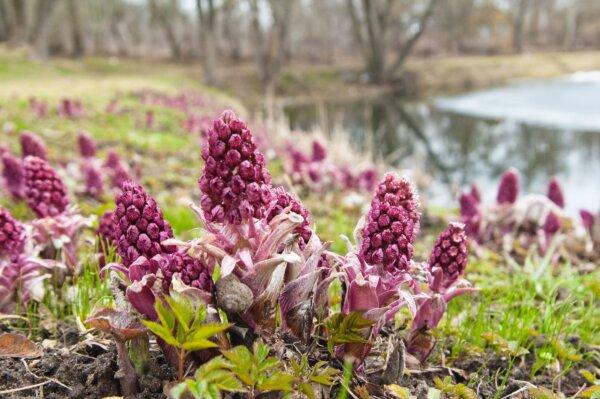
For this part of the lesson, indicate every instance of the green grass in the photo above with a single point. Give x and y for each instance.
(532, 309)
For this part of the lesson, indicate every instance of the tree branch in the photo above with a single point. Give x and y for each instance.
(408, 46)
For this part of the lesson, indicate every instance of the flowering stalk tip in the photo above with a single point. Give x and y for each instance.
(235, 182)
(391, 224)
(508, 190)
(45, 192)
(141, 225)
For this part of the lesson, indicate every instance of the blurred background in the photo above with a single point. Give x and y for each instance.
(460, 89)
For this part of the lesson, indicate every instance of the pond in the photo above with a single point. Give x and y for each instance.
(543, 128)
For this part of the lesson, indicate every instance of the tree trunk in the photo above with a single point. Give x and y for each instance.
(206, 20)
(4, 22)
(518, 24)
(164, 17)
(76, 33)
(19, 34)
(410, 43)
(42, 28)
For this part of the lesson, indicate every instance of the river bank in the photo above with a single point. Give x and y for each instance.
(422, 77)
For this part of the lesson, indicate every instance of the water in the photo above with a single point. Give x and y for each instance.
(543, 128)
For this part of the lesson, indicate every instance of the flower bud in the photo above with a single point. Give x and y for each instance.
(141, 226)
(31, 144)
(391, 225)
(555, 193)
(450, 254)
(508, 190)
(12, 235)
(87, 146)
(13, 175)
(234, 180)
(46, 194)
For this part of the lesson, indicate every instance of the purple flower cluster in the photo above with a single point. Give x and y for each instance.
(93, 179)
(193, 272)
(12, 235)
(587, 219)
(450, 253)
(119, 172)
(141, 226)
(12, 173)
(31, 144)
(87, 146)
(46, 194)
(39, 107)
(69, 108)
(552, 225)
(470, 213)
(284, 200)
(235, 182)
(508, 190)
(108, 227)
(555, 193)
(391, 225)
(112, 159)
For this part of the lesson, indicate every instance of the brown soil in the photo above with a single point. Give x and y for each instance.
(87, 370)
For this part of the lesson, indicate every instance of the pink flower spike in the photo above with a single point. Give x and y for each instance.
(235, 182)
(555, 193)
(45, 192)
(141, 225)
(87, 146)
(12, 235)
(32, 144)
(449, 257)
(508, 190)
(13, 175)
(588, 219)
(391, 225)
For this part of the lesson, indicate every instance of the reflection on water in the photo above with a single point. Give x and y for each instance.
(459, 149)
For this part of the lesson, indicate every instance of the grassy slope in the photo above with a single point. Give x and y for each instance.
(515, 306)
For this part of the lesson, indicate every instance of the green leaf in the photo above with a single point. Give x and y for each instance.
(183, 310)
(161, 332)
(208, 330)
(164, 315)
(307, 389)
(276, 382)
(178, 390)
(198, 345)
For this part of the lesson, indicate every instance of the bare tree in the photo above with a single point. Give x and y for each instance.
(5, 26)
(76, 32)
(207, 21)
(19, 33)
(518, 24)
(270, 38)
(165, 15)
(371, 29)
(43, 19)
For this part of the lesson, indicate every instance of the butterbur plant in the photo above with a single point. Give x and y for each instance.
(87, 146)
(13, 176)
(45, 192)
(32, 144)
(518, 225)
(22, 271)
(141, 225)
(508, 190)
(235, 183)
(444, 270)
